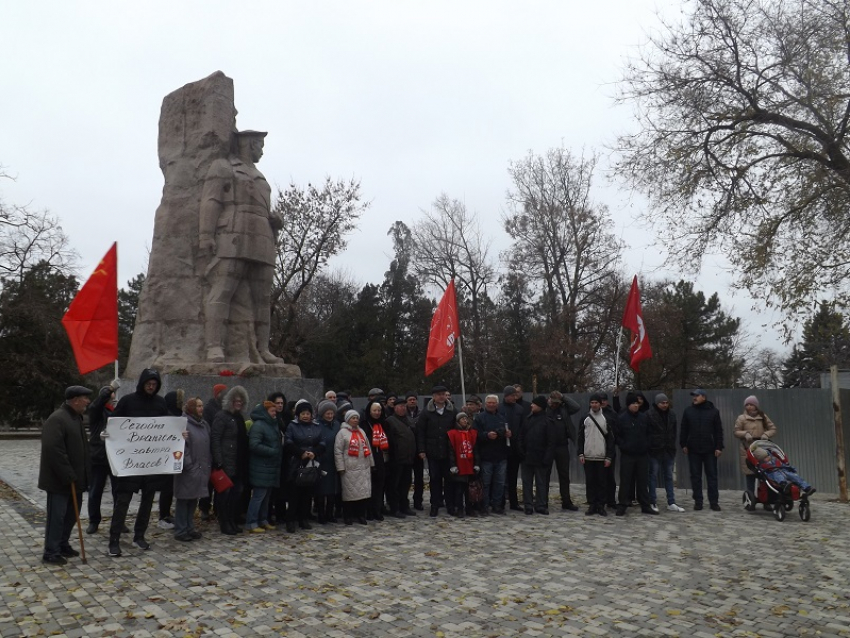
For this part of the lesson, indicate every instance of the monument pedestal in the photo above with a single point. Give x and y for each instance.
(257, 387)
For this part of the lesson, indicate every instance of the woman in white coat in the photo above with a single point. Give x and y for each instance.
(354, 462)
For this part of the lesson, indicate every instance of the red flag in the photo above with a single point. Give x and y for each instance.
(633, 320)
(444, 332)
(92, 319)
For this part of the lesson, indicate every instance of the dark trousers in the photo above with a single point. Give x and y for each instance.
(166, 498)
(99, 475)
(440, 477)
(59, 522)
(596, 478)
(300, 500)
(205, 504)
(634, 474)
(535, 476)
(379, 478)
(697, 462)
(461, 496)
(228, 504)
(325, 504)
(355, 509)
(751, 482)
(418, 481)
(562, 464)
(398, 487)
(611, 484)
(511, 480)
(143, 516)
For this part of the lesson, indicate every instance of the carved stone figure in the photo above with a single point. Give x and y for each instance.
(205, 305)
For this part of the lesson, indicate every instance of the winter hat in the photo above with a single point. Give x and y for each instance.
(631, 397)
(218, 388)
(74, 391)
(751, 400)
(324, 406)
(375, 392)
(461, 415)
(268, 405)
(439, 388)
(698, 393)
(411, 394)
(351, 413)
(597, 396)
(509, 390)
(303, 406)
(661, 397)
(540, 401)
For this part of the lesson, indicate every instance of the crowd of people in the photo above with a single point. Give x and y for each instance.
(293, 463)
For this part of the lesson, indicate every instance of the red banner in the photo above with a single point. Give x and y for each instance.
(92, 319)
(633, 320)
(444, 332)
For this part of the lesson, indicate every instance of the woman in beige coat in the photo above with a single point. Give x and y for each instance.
(354, 462)
(752, 424)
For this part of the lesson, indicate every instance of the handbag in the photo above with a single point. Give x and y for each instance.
(307, 475)
(220, 481)
(476, 490)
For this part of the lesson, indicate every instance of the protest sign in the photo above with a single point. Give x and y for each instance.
(145, 445)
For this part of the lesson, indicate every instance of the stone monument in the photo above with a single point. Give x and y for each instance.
(205, 305)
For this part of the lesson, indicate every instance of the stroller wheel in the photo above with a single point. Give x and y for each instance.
(789, 505)
(749, 500)
(805, 511)
(779, 512)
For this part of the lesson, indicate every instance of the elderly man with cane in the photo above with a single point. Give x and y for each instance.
(64, 474)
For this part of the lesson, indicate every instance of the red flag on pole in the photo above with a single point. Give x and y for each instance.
(92, 319)
(444, 332)
(633, 320)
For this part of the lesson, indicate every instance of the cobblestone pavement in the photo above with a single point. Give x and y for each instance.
(696, 574)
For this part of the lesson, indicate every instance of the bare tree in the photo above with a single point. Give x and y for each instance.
(561, 241)
(744, 111)
(763, 369)
(450, 244)
(316, 221)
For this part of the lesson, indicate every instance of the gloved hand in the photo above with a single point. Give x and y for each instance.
(103, 435)
(453, 470)
(765, 437)
(476, 469)
(748, 437)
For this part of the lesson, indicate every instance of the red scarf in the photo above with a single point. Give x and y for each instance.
(357, 443)
(379, 438)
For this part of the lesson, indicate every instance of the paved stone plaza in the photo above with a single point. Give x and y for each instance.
(697, 574)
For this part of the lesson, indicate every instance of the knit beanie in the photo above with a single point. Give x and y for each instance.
(324, 406)
(509, 389)
(303, 406)
(540, 401)
(751, 400)
(350, 414)
(661, 397)
(218, 388)
(631, 397)
(597, 396)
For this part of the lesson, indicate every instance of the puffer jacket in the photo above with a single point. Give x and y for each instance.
(302, 437)
(565, 429)
(432, 430)
(264, 450)
(356, 471)
(755, 426)
(632, 433)
(99, 413)
(596, 443)
(662, 431)
(701, 430)
(229, 437)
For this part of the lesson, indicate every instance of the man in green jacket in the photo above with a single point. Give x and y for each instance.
(64, 463)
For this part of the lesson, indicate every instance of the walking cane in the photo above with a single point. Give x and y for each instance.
(79, 525)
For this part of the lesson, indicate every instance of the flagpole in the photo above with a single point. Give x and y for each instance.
(462, 383)
(617, 358)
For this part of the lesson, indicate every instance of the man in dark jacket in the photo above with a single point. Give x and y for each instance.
(411, 399)
(432, 441)
(632, 435)
(514, 413)
(610, 472)
(662, 450)
(99, 412)
(701, 438)
(145, 401)
(560, 410)
(492, 454)
(402, 439)
(535, 443)
(64, 466)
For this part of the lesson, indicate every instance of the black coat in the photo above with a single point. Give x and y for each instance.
(565, 430)
(402, 437)
(211, 408)
(432, 431)
(99, 414)
(229, 441)
(491, 450)
(142, 404)
(535, 440)
(64, 453)
(701, 431)
(662, 431)
(514, 415)
(632, 433)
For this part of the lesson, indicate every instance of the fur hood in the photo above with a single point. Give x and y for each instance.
(235, 391)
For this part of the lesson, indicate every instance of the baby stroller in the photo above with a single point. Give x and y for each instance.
(763, 456)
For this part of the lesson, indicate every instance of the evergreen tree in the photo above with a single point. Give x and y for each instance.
(826, 342)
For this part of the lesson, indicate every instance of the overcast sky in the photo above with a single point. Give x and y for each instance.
(411, 98)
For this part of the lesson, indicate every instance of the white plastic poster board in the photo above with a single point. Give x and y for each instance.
(145, 445)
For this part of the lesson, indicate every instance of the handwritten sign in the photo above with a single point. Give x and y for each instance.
(145, 445)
